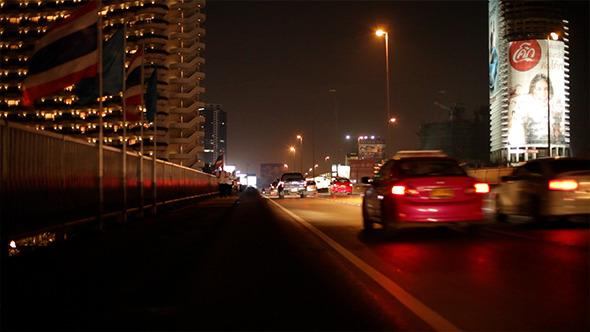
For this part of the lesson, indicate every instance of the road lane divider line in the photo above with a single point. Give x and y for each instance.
(431, 317)
(338, 201)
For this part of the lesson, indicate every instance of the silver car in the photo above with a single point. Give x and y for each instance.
(546, 187)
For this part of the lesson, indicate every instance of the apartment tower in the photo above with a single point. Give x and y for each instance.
(215, 129)
(170, 33)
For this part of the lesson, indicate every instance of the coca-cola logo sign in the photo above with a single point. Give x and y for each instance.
(525, 54)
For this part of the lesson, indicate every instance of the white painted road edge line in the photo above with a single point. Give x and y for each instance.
(338, 201)
(432, 318)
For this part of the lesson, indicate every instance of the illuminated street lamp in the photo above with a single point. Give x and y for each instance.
(381, 33)
(300, 138)
(553, 36)
(292, 149)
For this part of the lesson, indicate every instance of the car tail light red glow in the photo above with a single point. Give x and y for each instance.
(563, 184)
(398, 190)
(478, 188)
(401, 190)
(481, 188)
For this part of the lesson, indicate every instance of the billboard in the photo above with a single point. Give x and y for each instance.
(368, 149)
(493, 56)
(536, 93)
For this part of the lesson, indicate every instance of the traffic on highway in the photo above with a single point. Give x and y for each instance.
(515, 275)
(287, 262)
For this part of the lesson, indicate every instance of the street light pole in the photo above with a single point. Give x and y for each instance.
(336, 125)
(292, 149)
(387, 139)
(300, 138)
(313, 148)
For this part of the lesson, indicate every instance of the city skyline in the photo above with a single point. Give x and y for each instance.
(272, 65)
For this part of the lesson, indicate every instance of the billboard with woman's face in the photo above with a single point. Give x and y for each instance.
(537, 91)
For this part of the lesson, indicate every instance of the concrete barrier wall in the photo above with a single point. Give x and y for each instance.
(492, 175)
(48, 180)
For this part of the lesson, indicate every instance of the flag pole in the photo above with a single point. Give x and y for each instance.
(100, 125)
(141, 134)
(124, 168)
(154, 155)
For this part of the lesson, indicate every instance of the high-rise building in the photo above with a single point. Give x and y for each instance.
(215, 132)
(528, 82)
(460, 137)
(170, 33)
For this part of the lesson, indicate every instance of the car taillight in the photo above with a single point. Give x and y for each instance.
(398, 190)
(478, 188)
(401, 190)
(481, 188)
(563, 184)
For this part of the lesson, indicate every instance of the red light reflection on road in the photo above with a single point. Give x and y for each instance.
(480, 262)
(569, 237)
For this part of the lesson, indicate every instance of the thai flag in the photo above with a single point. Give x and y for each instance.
(67, 53)
(218, 162)
(133, 84)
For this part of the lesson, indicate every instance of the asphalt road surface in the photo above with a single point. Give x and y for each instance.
(254, 263)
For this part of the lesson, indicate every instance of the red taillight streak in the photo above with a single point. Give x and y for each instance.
(398, 190)
(401, 190)
(482, 188)
(563, 184)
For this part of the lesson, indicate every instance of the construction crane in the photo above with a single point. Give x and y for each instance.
(445, 108)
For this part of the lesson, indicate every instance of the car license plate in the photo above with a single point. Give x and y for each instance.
(442, 193)
(294, 190)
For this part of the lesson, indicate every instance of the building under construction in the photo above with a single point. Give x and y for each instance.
(528, 81)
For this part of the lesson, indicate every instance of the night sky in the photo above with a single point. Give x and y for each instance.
(272, 64)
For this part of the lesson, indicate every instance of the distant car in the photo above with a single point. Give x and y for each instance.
(272, 189)
(341, 186)
(292, 184)
(311, 187)
(422, 188)
(544, 188)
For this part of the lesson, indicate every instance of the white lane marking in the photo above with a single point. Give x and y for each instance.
(338, 201)
(432, 318)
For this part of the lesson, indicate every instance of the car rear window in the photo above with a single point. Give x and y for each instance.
(438, 167)
(293, 177)
(568, 165)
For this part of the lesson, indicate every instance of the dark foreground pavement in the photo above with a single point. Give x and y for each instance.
(218, 264)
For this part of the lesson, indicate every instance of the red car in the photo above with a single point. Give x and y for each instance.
(422, 188)
(341, 186)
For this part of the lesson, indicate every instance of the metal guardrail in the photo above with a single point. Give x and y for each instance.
(51, 181)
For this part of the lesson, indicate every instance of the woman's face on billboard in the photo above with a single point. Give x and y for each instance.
(541, 90)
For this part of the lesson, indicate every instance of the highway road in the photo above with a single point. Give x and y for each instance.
(516, 276)
(263, 263)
